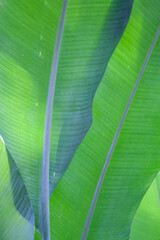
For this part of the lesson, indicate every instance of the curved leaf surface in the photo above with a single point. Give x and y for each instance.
(16, 214)
(147, 219)
(28, 37)
(138, 141)
(120, 196)
(92, 31)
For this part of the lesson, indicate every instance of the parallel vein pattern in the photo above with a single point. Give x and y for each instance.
(92, 31)
(147, 219)
(98, 188)
(16, 214)
(135, 158)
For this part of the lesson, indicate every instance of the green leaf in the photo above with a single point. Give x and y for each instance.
(157, 181)
(91, 32)
(37, 235)
(147, 219)
(137, 138)
(138, 141)
(28, 36)
(29, 31)
(135, 160)
(16, 214)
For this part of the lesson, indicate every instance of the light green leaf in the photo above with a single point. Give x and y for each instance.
(16, 214)
(157, 181)
(137, 141)
(135, 160)
(147, 219)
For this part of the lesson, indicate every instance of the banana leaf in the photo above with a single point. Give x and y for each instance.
(81, 35)
(134, 161)
(119, 157)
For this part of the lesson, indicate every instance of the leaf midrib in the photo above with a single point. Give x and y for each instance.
(44, 196)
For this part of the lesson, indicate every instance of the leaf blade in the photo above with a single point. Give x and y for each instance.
(17, 218)
(138, 140)
(113, 145)
(147, 218)
(82, 176)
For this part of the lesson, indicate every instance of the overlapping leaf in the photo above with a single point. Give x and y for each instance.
(147, 219)
(27, 40)
(135, 161)
(28, 35)
(92, 30)
(16, 214)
